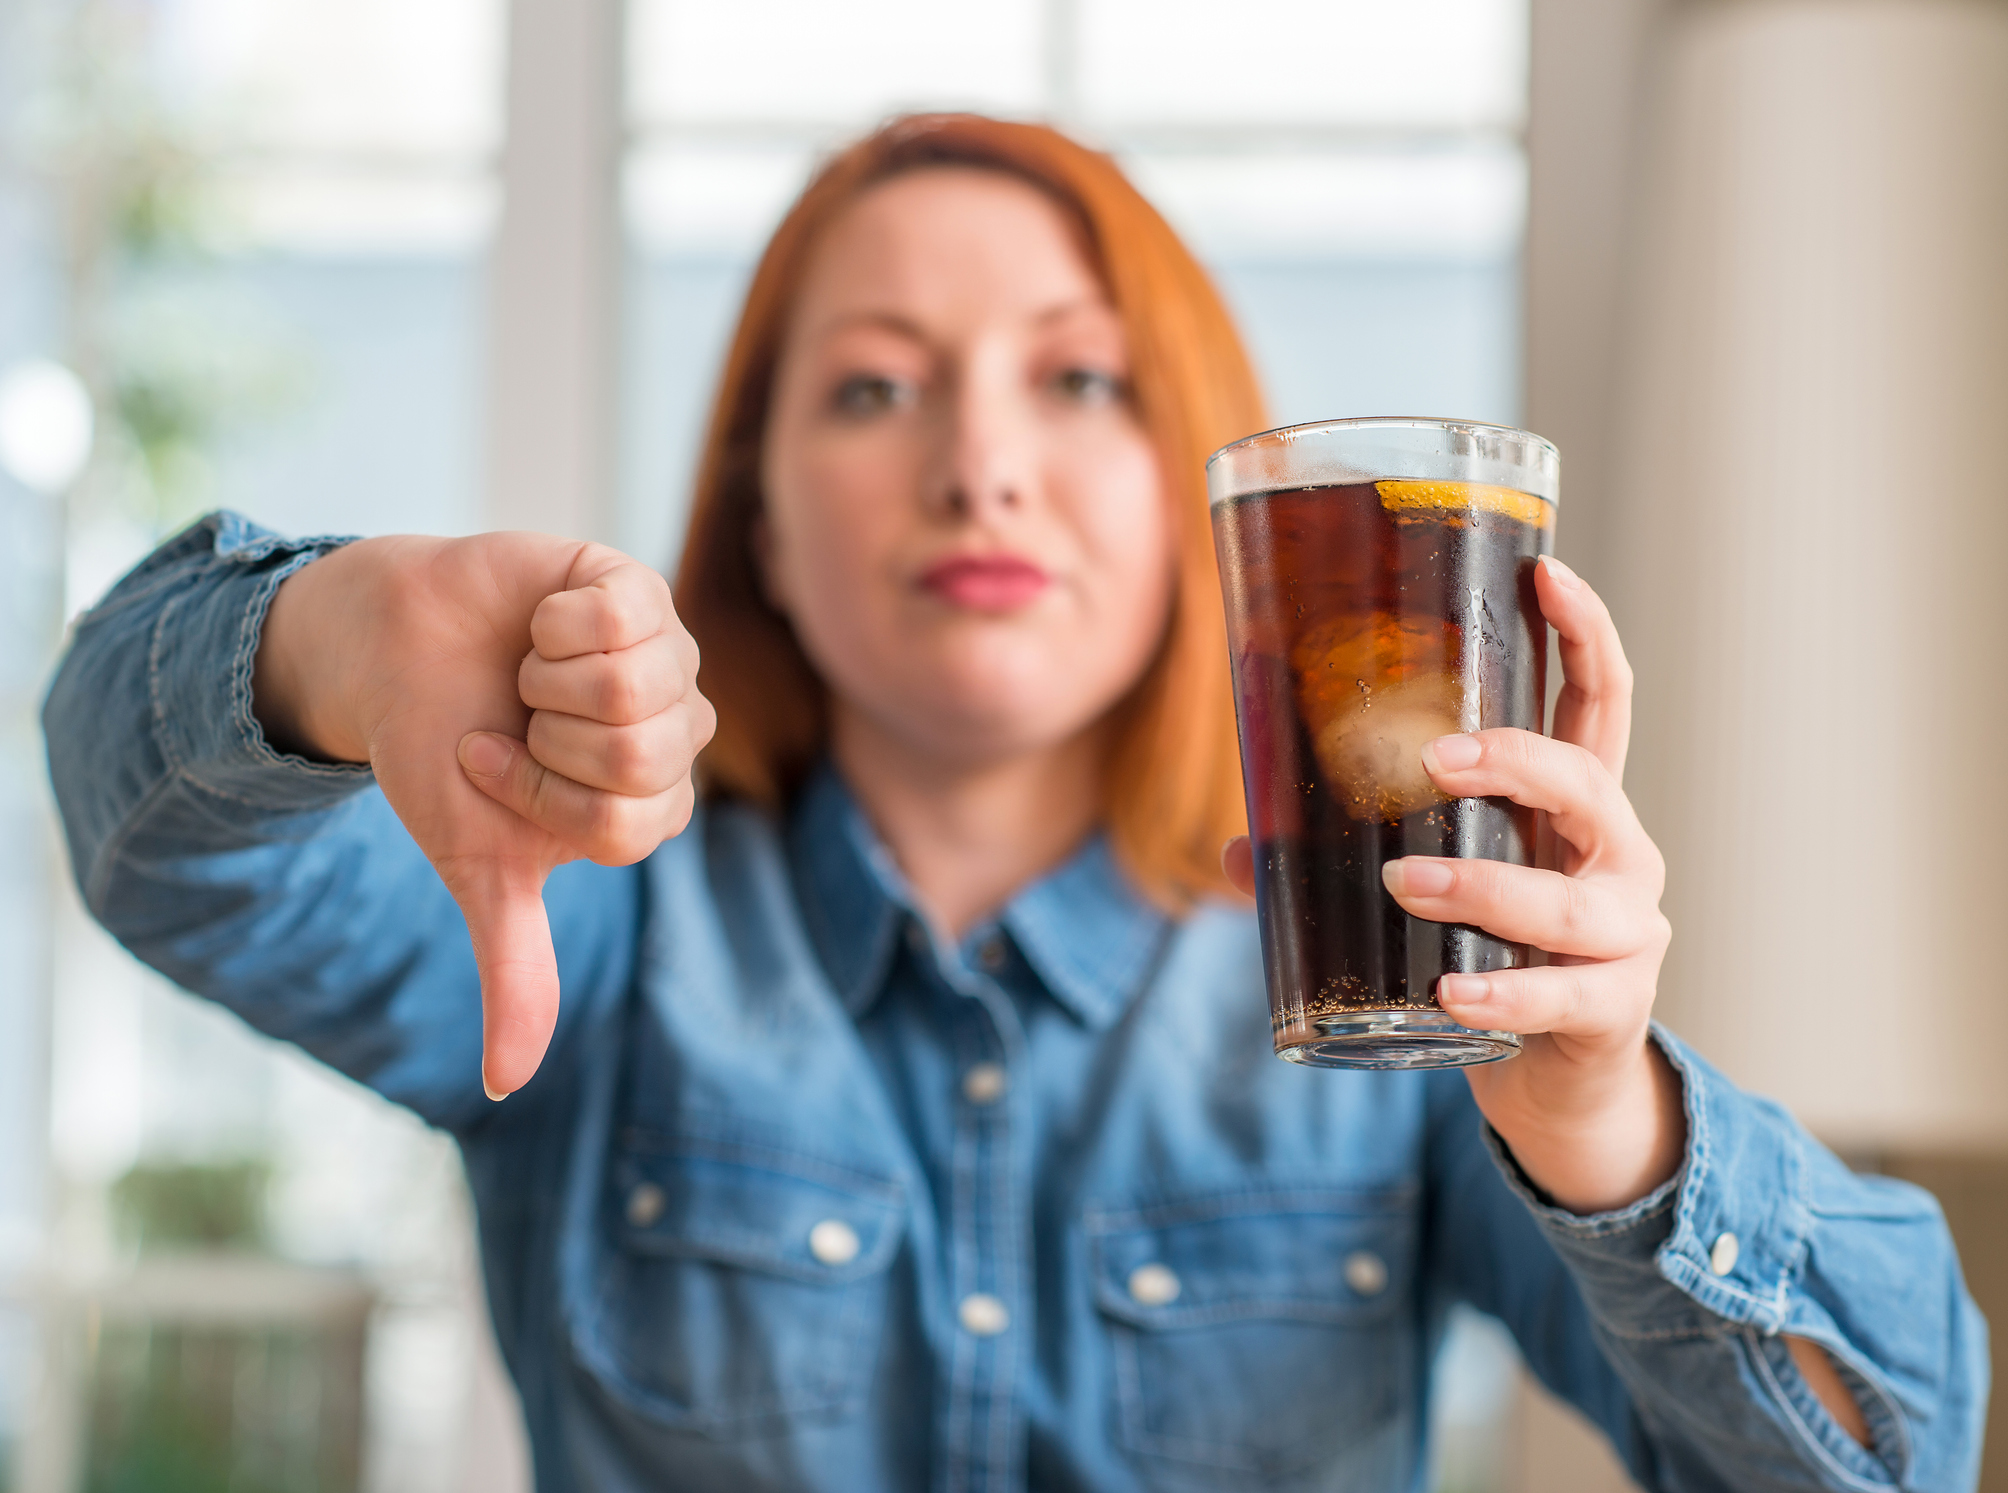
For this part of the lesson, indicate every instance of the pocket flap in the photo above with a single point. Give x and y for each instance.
(791, 1215)
(1312, 1255)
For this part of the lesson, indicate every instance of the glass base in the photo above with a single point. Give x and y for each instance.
(1397, 1039)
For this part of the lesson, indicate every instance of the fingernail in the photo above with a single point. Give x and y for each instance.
(489, 1089)
(1560, 573)
(1451, 753)
(1462, 990)
(1416, 877)
(486, 755)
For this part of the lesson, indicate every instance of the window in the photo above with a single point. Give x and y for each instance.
(1351, 171)
(255, 229)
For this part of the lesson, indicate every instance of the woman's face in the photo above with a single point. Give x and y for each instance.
(964, 520)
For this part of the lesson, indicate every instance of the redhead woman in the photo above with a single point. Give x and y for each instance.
(889, 1099)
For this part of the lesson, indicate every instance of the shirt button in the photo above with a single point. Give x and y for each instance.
(991, 953)
(834, 1242)
(1154, 1285)
(983, 1315)
(1366, 1272)
(985, 1083)
(1722, 1258)
(645, 1205)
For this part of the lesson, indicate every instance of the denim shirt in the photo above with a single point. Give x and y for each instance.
(806, 1198)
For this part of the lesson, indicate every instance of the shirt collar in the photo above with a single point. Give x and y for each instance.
(1084, 930)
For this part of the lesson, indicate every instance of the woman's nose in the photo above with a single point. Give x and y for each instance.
(985, 464)
(968, 500)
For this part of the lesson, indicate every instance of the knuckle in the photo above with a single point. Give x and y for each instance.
(618, 697)
(1578, 909)
(611, 829)
(627, 754)
(1484, 880)
(540, 793)
(641, 829)
(1505, 746)
(682, 804)
(545, 740)
(1576, 997)
(1591, 777)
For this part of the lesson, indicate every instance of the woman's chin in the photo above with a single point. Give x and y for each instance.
(989, 717)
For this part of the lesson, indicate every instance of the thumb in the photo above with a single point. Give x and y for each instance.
(503, 768)
(503, 903)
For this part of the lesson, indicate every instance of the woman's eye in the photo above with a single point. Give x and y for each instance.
(865, 394)
(1090, 386)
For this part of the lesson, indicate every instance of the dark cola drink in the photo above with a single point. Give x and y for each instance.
(1367, 618)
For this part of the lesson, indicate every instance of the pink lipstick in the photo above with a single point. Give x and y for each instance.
(985, 583)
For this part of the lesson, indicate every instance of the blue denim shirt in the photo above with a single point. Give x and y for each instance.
(803, 1198)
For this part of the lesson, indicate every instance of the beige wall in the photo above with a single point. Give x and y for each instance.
(1768, 326)
(1809, 509)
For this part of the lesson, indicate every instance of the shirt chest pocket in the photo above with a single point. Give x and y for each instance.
(733, 1289)
(1257, 1333)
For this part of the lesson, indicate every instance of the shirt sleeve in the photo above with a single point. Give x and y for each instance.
(284, 889)
(1688, 1294)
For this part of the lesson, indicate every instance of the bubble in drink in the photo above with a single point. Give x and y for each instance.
(1366, 620)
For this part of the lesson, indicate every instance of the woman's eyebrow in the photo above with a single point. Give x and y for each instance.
(1067, 309)
(885, 321)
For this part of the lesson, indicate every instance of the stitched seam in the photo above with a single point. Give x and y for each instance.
(807, 1166)
(1360, 1202)
(156, 704)
(97, 893)
(250, 629)
(962, 1358)
(1002, 1401)
(750, 1249)
(1885, 1419)
(1753, 1349)
(1701, 1333)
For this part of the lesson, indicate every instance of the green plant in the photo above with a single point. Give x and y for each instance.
(168, 1205)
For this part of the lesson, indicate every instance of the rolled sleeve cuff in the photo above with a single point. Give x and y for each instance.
(202, 712)
(1726, 1235)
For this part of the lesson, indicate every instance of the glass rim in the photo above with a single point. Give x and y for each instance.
(1540, 452)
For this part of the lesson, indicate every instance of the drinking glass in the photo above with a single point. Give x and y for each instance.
(1379, 580)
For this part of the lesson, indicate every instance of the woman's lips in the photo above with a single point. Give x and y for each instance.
(985, 583)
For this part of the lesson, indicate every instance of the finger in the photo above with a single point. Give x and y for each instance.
(619, 688)
(1237, 859)
(616, 608)
(1598, 919)
(1583, 801)
(503, 903)
(1593, 710)
(639, 760)
(1569, 1000)
(612, 829)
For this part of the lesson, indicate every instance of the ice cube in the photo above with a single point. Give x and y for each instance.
(1371, 754)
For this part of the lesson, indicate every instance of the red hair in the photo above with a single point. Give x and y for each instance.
(1172, 787)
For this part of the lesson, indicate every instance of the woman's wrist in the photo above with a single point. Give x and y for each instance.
(295, 678)
(1619, 1136)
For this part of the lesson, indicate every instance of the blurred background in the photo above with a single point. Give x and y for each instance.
(366, 265)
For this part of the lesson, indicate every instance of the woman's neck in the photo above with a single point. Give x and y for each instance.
(968, 836)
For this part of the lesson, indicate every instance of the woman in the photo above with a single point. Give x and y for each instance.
(908, 1119)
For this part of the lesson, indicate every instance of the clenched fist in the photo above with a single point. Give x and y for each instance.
(524, 701)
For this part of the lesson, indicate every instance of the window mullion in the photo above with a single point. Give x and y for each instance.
(554, 273)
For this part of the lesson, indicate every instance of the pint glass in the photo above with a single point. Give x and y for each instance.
(1379, 580)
